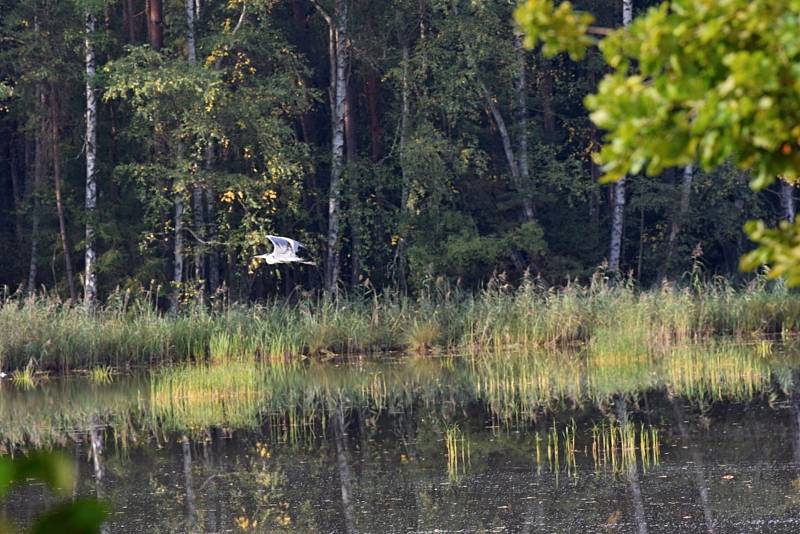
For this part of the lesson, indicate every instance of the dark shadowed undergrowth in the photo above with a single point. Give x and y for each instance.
(130, 331)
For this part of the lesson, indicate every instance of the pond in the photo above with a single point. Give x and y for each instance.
(694, 439)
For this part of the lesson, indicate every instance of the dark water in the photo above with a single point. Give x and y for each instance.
(357, 464)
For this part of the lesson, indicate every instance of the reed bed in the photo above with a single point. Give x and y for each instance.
(130, 331)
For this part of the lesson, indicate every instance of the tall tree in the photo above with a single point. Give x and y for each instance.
(58, 183)
(618, 213)
(155, 29)
(90, 274)
(338, 57)
(678, 218)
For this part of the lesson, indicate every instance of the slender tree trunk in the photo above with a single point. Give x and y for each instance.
(130, 12)
(400, 252)
(546, 98)
(98, 451)
(197, 190)
(345, 474)
(212, 252)
(17, 190)
(351, 149)
(618, 216)
(191, 505)
(787, 200)
(338, 56)
(155, 29)
(90, 275)
(522, 128)
(677, 221)
(372, 92)
(177, 267)
(58, 186)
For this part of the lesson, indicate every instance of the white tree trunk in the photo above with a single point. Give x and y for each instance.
(787, 201)
(90, 276)
(339, 58)
(177, 270)
(618, 216)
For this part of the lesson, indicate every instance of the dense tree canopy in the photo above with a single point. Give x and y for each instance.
(443, 146)
(696, 81)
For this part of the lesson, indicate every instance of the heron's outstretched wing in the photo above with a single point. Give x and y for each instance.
(283, 246)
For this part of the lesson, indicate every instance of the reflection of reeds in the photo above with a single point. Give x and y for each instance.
(458, 453)
(617, 447)
(296, 398)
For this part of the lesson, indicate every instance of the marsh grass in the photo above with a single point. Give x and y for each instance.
(612, 321)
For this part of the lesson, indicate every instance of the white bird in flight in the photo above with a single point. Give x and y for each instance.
(284, 250)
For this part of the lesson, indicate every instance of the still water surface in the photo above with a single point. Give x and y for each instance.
(421, 445)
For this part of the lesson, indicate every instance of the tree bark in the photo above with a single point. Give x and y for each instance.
(130, 20)
(58, 186)
(197, 189)
(17, 190)
(90, 275)
(212, 252)
(618, 215)
(400, 253)
(155, 29)
(522, 128)
(177, 267)
(372, 92)
(787, 201)
(338, 56)
(351, 150)
(677, 221)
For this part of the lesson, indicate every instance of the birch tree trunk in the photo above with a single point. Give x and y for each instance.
(90, 275)
(683, 208)
(58, 184)
(197, 190)
(787, 201)
(338, 57)
(522, 128)
(618, 215)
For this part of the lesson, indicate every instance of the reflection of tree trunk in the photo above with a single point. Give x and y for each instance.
(191, 506)
(211, 481)
(96, 438)
(345, 475)
(632, 471)
(697, 459)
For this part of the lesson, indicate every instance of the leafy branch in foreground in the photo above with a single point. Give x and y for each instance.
(83, 516)
(713, 82)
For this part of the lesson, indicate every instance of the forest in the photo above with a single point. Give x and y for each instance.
(159, 142)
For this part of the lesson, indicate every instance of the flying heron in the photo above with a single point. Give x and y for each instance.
(285, 250)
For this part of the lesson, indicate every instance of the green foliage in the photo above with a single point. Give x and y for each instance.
(83, 516)
(699, 80)
(559, 29)
(777, 247)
